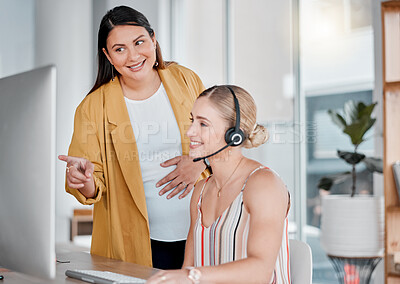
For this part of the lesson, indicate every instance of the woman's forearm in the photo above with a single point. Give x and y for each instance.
(249, 270)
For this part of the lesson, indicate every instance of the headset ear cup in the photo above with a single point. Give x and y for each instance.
(242, 137)
(232, 136)
(228, 135)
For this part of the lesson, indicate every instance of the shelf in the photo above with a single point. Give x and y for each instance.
(81, 223)
(393, 209)
(390, 4)
(392, 84)
(391, 124)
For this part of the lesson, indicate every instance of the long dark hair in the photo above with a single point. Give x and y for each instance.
(118, 16)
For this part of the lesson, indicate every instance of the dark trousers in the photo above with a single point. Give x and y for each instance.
(168, 255)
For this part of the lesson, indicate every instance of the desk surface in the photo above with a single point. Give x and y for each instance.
(79, 258)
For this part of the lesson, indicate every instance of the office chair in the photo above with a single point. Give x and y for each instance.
(300, 262)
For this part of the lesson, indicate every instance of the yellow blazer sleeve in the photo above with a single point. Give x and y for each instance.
(85, 143)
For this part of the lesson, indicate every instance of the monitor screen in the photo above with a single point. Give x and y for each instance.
(27, 172)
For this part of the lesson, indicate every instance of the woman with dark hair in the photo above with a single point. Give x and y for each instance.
(129, 132)
(239, 221)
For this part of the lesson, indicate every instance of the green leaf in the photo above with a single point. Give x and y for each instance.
(351, 158)
(358, 128)
(337, 119)
(364, 110)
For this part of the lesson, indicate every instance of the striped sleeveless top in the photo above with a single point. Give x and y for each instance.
(226, 239)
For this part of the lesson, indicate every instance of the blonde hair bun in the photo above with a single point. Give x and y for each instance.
(257, 137)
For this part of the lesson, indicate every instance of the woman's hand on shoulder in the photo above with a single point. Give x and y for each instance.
(183, 178)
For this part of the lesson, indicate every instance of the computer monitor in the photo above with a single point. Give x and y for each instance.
(27, 172)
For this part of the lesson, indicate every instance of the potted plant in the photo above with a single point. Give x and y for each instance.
(352, 224)
(355, 122)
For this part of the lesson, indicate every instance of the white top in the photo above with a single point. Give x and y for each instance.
(158, 139)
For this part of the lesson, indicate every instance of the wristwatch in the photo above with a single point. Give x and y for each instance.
(194, 275)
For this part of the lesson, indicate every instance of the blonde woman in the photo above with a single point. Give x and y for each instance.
(238, 231)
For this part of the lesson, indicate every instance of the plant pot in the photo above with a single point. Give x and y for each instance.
(352, 226)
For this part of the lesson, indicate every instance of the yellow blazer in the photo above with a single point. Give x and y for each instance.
(103, 134)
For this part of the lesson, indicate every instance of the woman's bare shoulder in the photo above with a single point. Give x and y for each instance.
(266, 187)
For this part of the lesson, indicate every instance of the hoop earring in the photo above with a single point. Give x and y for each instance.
(156, 64)
(112, 72)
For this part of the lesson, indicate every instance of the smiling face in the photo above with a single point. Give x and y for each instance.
(132, 51)
(207, 132)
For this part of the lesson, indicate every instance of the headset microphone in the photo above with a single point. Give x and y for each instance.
(215, 153)
(234, 136)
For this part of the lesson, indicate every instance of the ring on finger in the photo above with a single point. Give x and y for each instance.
(68, 168)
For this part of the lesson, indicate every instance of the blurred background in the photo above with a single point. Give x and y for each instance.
(297, 58)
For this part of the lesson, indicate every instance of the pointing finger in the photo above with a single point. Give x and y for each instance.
(62, 158)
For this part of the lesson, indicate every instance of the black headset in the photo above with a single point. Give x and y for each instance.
(234, 136)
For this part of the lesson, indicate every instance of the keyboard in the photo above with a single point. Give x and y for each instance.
(102, 277)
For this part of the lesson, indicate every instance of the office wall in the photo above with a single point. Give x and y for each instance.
(378, 88)
(63, 36)
(17, 36)
(377, 96)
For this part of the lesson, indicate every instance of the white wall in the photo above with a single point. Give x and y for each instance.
(378, 88)
(17, 36)
(199, 39)
(334, 59)
(378, 276)
(63, 36)
(263, 62)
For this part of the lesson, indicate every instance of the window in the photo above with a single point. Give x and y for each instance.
(336, 65)
(246, 43)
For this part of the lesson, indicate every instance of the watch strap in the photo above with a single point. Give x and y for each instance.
(194, 275)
